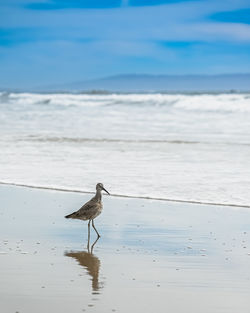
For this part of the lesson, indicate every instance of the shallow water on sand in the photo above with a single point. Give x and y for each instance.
(153, 256)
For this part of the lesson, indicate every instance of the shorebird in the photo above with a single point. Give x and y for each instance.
(91, 209)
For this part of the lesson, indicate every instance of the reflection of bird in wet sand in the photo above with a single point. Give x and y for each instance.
(91, 209)
(90, 262)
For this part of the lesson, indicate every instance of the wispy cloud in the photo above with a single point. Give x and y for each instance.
(189, 20)
(124, 3)
(124, 38)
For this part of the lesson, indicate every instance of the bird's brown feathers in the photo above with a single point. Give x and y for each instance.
(89, 210)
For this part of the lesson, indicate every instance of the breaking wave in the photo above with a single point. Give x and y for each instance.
(197, 102)
(185, 147)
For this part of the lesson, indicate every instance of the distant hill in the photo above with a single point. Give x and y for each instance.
(158, 83)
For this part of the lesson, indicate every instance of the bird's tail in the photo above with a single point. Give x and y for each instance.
(70, 215)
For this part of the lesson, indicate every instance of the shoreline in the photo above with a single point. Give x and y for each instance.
(156, 252)
(129, 197)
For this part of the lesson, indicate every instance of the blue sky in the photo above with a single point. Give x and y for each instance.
(51, 42)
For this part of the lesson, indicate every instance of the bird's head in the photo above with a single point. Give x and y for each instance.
(100, 186)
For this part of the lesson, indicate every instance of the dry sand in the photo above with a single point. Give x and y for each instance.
(153, 256)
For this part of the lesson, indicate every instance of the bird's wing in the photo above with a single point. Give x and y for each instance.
(86, 211)
(86, 207)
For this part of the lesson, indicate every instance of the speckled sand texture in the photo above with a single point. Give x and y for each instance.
(153, 256)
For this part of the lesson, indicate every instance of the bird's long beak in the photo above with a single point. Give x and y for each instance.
(105, 190)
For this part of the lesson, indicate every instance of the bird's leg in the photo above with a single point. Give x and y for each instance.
(92, 247)
(88, 234)
(95, 229)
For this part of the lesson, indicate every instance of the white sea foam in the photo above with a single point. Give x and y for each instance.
(201, 102)
(224, 103)
(186, 147)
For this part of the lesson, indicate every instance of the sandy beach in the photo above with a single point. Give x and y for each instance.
(149, 100)
(153, 256)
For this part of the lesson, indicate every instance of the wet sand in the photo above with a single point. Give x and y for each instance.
(153, 256)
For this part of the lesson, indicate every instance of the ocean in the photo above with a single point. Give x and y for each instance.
(184, 147)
